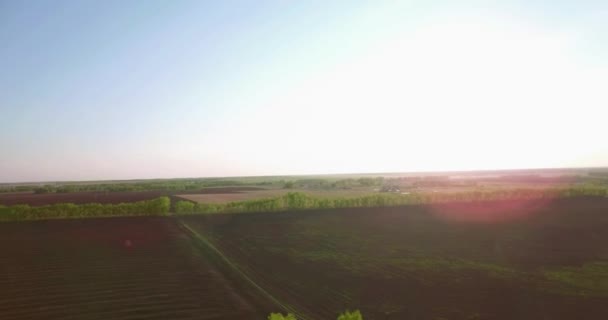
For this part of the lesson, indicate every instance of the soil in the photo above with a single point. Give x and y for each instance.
(423, 262)
(458, 261)
(113, 268)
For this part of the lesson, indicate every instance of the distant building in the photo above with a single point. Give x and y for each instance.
(394, 189)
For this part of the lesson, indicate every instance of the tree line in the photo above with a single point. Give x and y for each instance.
(150, 185)
(178, 185)
(154, 207)
(289, 201)
(300, 201)
(327, 184)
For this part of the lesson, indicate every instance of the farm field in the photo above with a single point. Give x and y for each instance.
(113, 268)
(33, 199)
(536, 260)
(303, 160)
(232, 196)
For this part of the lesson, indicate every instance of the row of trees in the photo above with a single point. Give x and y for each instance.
(155, 207)
(289, 201)
(296, 201)
(325, 184)
(299, 201)
(347, 315)
(150, 185)
(192, 184)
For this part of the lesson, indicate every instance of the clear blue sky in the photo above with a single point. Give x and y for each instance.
(146, 89)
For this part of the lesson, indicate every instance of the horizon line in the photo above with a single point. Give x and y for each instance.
(422, 172)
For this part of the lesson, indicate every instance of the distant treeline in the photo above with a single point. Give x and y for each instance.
(161, 185)
(155, 207)
(333, 184)
(179, 185)
(289, 201)
(300, 201)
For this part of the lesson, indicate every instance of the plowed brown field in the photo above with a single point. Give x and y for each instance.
(113, 268)
(491, 260)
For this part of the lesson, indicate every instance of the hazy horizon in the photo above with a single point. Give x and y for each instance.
(488, 172)
(113, 90)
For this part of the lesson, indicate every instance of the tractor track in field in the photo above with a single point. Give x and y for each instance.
(206, 245)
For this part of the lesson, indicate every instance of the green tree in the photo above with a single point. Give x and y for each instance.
(184, 207)
(295, 200)
(348, 315)
(45, 189)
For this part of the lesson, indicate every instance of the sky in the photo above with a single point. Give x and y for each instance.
(94, 90)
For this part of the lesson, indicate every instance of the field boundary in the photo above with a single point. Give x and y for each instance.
(206, 243)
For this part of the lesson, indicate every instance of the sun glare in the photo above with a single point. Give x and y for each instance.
(466, 93)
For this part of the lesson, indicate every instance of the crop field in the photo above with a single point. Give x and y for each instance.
(521, 258)
(225, 197)
(113, 268)
(539, 259)
(33, 199)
